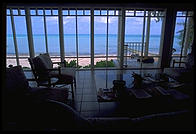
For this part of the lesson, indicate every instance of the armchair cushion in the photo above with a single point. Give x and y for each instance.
(46, 60)
(40, 66)
(66, 72)
(38, 63)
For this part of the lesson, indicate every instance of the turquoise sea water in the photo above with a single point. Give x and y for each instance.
(83, 43)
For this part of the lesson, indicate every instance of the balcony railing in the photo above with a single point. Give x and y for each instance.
(133, 50)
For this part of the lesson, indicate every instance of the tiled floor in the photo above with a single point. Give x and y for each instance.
(88, 83)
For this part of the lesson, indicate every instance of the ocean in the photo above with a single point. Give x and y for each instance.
(83, 44)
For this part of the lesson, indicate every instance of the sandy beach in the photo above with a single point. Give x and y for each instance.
(131, 62)
(81, 61)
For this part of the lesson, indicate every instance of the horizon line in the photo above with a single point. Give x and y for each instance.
(83, 34)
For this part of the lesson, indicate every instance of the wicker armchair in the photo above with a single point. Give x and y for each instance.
(46, 75)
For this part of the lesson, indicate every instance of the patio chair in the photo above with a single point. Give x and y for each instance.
(46, 75)
(42, 80)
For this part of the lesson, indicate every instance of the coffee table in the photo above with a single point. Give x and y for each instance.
(157, 95)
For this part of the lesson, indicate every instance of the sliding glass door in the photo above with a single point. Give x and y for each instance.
(183, 37)
(143, 38)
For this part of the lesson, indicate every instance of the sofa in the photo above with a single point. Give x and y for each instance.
(36, 108)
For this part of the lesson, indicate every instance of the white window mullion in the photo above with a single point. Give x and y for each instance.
(92, 39)
(36, 12)
(19, 12)
(51, 12)
(107, 41)
(29, 32)
(77, 38)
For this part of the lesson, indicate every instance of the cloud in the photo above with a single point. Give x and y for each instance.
(68, 19)
(104, 19)
(138, 21)
(52, 20)
(84, 19)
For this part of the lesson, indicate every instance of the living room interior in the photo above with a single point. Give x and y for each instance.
(94, 66)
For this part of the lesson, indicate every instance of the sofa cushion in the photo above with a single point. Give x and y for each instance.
(16, 81)
(176, 120)
(57, 94)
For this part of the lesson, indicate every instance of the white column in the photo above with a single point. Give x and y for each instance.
(77, 37)
(143, 34)
(29, 32)
(122, 34)
(107, 40)
(147, 34)
(14, 37)
(119, 37)
(45, 30)
(61, 34)
(162, 39)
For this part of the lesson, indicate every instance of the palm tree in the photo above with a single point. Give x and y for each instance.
(189, 33)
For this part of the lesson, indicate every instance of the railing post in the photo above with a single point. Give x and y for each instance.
(125, 54)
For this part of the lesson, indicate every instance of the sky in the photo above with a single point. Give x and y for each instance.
(133, 25)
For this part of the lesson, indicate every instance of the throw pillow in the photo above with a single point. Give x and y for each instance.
(16, 81)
